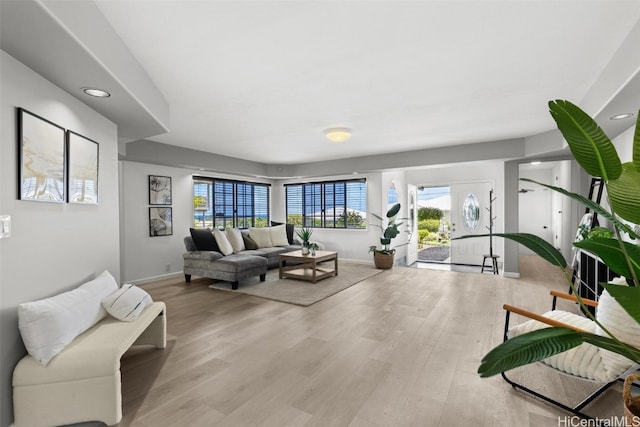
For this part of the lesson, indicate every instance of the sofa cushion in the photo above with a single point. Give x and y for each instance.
(48, 325)
(279, 235)
(290, 230)
(234, 235)
(127, 303)
(204, 240)
(262, 236)
(239, 262)
(223, 242)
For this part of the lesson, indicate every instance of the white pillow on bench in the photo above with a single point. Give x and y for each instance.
(127, 303)
(50, 324)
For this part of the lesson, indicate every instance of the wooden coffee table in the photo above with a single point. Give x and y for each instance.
(309, 267)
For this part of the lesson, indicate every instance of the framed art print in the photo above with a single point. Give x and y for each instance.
(160, 222)
(83, 169)
(41, 152)
(159, 190)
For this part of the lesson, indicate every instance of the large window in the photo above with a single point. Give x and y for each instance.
(332, 204)
(224, 204)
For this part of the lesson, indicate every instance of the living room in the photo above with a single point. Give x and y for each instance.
(54, 247)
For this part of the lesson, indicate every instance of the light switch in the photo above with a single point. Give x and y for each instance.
(5, 226)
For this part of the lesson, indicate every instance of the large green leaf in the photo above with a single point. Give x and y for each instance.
(628, 297)
(624, 193)
(607, 343)
(589, 144)
(593, 206)
(528, 348)
(542, 343)
(531, 241)
(611, 254)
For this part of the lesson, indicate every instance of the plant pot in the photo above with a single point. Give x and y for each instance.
(631, 403)
(383, 261)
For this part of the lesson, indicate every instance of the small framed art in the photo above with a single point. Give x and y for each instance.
(160, 222)
(41, 152)
(82, 183)
(159, 190)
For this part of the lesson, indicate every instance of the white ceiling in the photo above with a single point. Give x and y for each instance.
(261, 80)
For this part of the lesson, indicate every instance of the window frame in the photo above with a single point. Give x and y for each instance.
(318, 199)
(234, 203)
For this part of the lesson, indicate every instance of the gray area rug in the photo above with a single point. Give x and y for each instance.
(299, 292)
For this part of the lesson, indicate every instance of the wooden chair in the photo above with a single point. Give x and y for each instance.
(563, 362)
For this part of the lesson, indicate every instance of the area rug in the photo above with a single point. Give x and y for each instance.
(299, 292)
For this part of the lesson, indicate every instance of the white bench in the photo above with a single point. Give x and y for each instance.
(82, 383)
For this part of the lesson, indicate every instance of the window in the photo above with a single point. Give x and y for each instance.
(333, 204)
(224, 204)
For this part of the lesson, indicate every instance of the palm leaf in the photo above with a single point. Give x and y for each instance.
(624, 193)
(531, 241)
(628, 297)
(611, 254)
(591, 205)
(528, 348)
(589, 144)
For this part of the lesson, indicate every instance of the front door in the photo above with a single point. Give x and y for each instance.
(470, 215)
(412, 225)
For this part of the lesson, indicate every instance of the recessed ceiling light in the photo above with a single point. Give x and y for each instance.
(98, 93)
(535, 162)
(338, 134)
(621, 116)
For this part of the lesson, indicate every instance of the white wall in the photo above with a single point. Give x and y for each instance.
(487, 171)
(535, 206)
(54, 246)
(146, 258)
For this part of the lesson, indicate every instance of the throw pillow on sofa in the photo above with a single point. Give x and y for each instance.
(290, 230)
(262, 236)
(204, 240)
(249, 243)
(223, 242)
(48, 325)
(127, 303)
(279, 235)
(234, 235)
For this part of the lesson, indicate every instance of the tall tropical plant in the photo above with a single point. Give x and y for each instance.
(595, 153)
(389, 231)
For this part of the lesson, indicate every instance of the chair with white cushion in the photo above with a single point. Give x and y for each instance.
(586, 361)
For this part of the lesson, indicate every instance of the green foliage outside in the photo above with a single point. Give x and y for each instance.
(432, 225)
(353, 220)
(429, 213)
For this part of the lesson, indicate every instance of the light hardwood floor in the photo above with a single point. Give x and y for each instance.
(399, 349)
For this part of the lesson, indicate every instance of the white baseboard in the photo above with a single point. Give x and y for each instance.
(510, 274)
(156, 278)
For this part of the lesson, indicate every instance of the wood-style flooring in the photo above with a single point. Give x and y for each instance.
(399, 349)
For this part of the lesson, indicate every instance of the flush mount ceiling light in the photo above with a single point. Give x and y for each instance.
(535, 162)
(98, 93)
(338, 134)
(621, 116)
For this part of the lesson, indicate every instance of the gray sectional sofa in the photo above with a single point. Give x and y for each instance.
(207, 254)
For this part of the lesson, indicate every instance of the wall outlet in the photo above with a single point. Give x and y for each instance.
(5, 226)
(167, 268)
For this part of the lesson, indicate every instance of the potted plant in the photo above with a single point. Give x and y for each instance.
(313, 247)
(595, 153)
(384, 257)
(305, 234)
